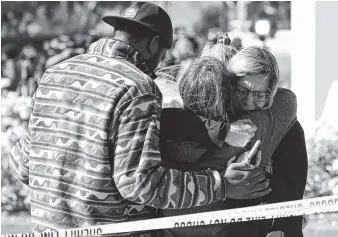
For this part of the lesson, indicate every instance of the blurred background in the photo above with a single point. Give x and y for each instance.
(36, 35)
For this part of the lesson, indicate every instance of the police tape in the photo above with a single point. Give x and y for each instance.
(276, 210)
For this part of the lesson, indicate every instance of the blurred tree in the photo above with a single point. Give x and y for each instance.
(280, 10)
(323, 162)
(53, 18)
(210, 19)
(224, 16)
(15, 113)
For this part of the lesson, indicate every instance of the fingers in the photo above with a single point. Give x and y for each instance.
(257, 179)
(243, 157)
(254, 128)
(248, 121)
(252, 134)
(232, 160)
(248, 124)
(246, 130)
(251, 174)
(260, 186)
(249, 128)
(242, 166)
(258, 159)
(259, 194)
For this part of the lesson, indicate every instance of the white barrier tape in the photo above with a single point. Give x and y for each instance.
(276, 210)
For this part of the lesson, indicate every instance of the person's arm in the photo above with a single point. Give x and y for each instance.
(188, 136)
(191, 127)
(273, 123)
(270, 125)
(136, 167)
(19, 155)
(290, 165)
(19, 159)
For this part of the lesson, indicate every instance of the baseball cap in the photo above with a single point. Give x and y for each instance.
(148, 15)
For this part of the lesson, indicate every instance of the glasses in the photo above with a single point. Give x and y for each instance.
(243, 92)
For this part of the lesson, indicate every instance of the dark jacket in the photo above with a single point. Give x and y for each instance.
(190, 142)
(194, 148)
(290, 165)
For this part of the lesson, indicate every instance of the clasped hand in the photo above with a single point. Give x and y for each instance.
(245, 181)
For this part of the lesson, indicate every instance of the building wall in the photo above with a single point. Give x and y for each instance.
(326, 52)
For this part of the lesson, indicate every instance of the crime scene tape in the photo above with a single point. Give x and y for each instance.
(276, 210)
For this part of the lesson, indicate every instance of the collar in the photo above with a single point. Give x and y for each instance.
(113, 48)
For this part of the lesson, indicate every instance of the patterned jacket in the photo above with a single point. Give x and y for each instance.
(91, 153)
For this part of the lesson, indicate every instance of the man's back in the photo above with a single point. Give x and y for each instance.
(72, 142)
(100, 144)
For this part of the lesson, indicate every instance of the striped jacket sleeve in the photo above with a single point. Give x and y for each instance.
(19, 155)
(137, 171)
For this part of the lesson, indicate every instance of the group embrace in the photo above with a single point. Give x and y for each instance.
(100, 148)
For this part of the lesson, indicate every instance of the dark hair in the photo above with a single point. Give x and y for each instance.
(135, 33)
(206, 89)
(222, 50)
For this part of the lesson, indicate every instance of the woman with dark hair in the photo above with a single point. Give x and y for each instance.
(202, 130)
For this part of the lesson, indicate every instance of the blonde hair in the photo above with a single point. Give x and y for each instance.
(205, 89)
(256, 60)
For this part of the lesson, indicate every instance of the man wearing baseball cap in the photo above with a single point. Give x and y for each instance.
(91, 154)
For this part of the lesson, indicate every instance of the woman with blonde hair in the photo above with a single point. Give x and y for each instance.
(257, 67)
(256, 89)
